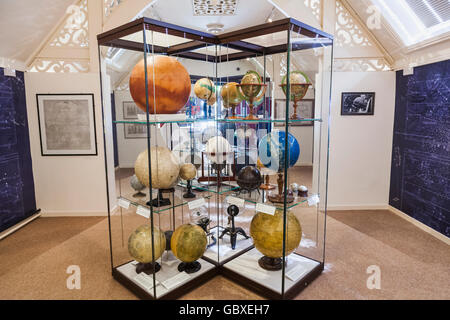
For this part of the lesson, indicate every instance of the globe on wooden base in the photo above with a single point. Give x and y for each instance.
(140, 248)
(188, 244)
(165, 76)
(165, 168)
(204, 88)
(267, 233)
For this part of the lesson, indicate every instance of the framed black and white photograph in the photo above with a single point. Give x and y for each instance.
(67, 124)
(305, 110)
(131, 110)
(135, 131)
(357, 103)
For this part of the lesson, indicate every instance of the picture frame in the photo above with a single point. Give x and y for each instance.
(305, 109)
(131, 110)
(135, 131)
(67, 124)
(358, 103)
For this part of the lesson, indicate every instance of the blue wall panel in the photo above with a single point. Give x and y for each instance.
(420, 174)
(17, 199)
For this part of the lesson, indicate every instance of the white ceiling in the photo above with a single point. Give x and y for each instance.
(248, 13)
(24, 24)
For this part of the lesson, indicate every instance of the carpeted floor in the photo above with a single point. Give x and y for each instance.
(413, 264)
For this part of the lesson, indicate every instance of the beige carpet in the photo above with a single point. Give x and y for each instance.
(414, 265)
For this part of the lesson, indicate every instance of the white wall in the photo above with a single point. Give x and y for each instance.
(361, 146)
(66, 185)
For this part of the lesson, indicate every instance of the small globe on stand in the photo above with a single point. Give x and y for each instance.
(231, 98)
(267, 233)
(272, 154)
(266, 185)
(137, 186)
(145, 250)
(188, 172)
(204, 90)
(299, 84)
(252, 89)
(188, 244)
(249, 179)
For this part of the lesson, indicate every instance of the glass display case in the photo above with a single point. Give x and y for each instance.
(220, 147)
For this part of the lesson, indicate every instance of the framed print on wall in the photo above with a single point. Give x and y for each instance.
(135, 131)
(305, 109)
(357, 103)
(67, 124)
(131, 110)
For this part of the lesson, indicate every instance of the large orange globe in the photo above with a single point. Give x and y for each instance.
(169, 85)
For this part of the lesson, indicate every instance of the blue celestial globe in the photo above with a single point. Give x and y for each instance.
(272, 153)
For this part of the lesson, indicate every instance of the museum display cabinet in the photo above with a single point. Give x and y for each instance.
(221, 146)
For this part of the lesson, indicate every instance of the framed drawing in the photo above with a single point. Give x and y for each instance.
(131, 110)
(357, 103)
(67, 124)
(135, 131)
(305, 109)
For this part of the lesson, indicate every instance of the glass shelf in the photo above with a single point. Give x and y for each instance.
(190, 121)
(176, 199)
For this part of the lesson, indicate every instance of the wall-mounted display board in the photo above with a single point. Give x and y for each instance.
(216, 192)
(420, 181)
(17, 198)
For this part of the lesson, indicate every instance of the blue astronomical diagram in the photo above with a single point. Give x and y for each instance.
(272, 153)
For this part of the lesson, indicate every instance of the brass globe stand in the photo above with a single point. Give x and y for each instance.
(298, 92)
(267, 185)
(252, 92)
(233, 111)
(279, 198)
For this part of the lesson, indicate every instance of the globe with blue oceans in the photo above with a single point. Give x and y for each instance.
(272, 152)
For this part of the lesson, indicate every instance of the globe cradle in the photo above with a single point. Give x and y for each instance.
(169, 85)
(267, 233)
(188, 242)
(165, 168)
(140, 243)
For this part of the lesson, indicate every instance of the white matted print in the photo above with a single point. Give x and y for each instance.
(131, 110)
(67, 124)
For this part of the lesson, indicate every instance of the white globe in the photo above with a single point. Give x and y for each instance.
(215, 149)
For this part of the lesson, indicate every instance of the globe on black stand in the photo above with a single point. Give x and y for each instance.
(160, 201)
(189, 194)
(148, 268)
(189, 267)
(233, 231)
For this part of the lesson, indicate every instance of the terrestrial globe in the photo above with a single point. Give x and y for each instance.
(272, 152)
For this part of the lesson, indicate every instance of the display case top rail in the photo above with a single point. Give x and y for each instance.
(234, 38)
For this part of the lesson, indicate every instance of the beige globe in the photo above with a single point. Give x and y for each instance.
(165, 168)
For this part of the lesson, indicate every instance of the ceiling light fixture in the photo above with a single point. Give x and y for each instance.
(271, 15)
(214, 28)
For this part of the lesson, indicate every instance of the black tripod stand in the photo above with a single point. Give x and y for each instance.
(233, 231)
(203, 223)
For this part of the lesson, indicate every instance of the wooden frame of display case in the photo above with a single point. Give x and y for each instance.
(234, 40)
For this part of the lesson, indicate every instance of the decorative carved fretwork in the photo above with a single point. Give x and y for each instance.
(110, 5)
(315, 7)
(74, 31)
(348, 33)
(60, 66)
(214, 8)
(360, 65)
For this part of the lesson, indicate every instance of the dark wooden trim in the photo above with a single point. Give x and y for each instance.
(269, 293)
(135, 46)
(174, 30)
(121, 31)
(186, 46)
(174, 294)
(255, 31)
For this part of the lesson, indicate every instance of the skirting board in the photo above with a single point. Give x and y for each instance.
(48, 214)
(358, 207)
(420, 225)
(21, 224)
